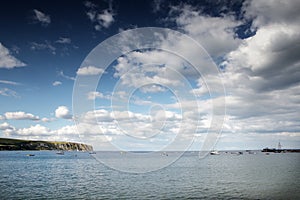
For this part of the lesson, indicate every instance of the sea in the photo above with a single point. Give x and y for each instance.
(80, 175)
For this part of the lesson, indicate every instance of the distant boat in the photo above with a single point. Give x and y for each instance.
(214, 152)
(60, 153)
(92, 152)
(30, 155)
(164, 154)
(250, 152)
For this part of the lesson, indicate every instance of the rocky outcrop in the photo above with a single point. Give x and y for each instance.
(14, 144)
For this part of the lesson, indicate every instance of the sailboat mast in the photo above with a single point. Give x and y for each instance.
(279, 145)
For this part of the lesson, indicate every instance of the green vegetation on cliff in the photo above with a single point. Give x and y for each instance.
(15, 144)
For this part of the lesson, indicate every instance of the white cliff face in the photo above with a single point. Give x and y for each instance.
(69, 146)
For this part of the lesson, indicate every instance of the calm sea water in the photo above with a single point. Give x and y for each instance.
(79, 176)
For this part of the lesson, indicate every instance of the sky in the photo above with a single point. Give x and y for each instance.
(225, 74)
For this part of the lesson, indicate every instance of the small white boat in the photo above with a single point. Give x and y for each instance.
(214, 152)
(60, 153)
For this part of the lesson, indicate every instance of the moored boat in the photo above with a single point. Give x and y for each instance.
(60, 153)
(214, 152)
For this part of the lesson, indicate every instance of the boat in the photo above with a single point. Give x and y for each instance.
(237, 153)
(250, 152)
(30, 155)
(164, 154)
(214, 152)
(92, 152)
(60, 153)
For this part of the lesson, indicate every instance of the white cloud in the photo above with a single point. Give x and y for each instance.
(134, 124)
(216, 34)
(268, 60)
(272, 12)
(89, 70)
(100, 19)
(44, 119)
(7, 60)
(20, 116)
(34, 130)
(56, 83)
(262, 74)
(41, 17)
(6, 126)
(269, 54)
(94, 95)
(8, 92)
(159, 67)
(63, 112)
(105, 18)
(63, 40)
(153, 88)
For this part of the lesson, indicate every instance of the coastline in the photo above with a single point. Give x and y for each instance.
(8, 144)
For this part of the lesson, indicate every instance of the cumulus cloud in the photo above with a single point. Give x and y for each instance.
(33, 132)
(63, 112)
(41, 17)
(56, 83)
(216, 34)
(6, 126)
(153, 88)
(20, 115)
(262, 74)
(100, 19)
(134, 124)
(141, 68)
(94, 95)
(272, 12)
(98, 126)
(269, 58)
(7, 60)
(89, 70)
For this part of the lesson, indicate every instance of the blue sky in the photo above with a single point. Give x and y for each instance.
(147, 98)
